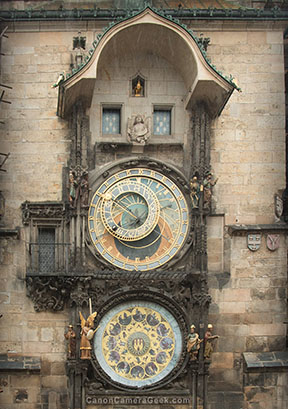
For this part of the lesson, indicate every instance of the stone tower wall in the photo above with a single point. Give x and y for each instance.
(248, 145)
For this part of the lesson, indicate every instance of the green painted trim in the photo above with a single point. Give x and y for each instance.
(240, 13)
(120, 15)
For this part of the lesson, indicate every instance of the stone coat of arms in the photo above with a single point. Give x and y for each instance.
(273, 241)
(254, 241)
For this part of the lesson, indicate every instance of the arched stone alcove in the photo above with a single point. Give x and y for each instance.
(148, 32)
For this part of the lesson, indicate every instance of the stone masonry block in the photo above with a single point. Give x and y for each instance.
(264, 294)
(47, 334)
(222, 360)
(23, 381)
(234, 308)
(235, 295)
(274, 37)
(267, 329)
(58, 368)
(32, 334)
(55, 382)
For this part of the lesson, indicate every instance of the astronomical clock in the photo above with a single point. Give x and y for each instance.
(141, 234)
(138, 219)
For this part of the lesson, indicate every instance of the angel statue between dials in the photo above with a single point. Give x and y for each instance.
(87, 334)
(139, 129)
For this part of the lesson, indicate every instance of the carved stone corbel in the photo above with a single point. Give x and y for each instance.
(49, 292)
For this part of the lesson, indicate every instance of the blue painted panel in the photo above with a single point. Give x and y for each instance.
(111, 121)
(162, 122)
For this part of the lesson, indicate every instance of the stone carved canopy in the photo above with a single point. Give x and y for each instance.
(174, 43)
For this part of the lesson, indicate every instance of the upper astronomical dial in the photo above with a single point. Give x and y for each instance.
(138, 219)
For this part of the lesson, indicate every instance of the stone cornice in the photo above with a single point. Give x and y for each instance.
(10, 362)
(266, 361)
(241, 13)
(240, 229)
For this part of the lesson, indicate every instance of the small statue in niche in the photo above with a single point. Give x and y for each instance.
(78, 53)
(138, 89)
(87, 333)
(78, 188)
(208, 184)
(209, 342)
(71, 345)
(84, 190)
(195, 189)
(193, 343)
(138, 86)
(139, 129)
(72, 188)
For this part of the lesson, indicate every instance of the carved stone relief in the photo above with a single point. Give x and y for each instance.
(43, 210)
(139, 129)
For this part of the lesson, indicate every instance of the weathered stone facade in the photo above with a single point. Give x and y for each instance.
(247, 156)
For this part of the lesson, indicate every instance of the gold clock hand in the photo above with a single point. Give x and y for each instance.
(108, 196)
(125, 209)
(138, 219)
(164, 207)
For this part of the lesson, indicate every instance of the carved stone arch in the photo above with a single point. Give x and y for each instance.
(175, 43)
(140, 161)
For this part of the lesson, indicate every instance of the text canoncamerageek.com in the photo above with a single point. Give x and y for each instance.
(137, 400)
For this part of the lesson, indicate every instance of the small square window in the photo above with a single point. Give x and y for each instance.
(111, 121)
(162, 122)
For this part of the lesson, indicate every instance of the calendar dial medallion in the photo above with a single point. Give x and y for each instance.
(138, 219)
(138, 343)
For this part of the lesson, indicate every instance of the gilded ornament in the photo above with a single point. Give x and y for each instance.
(141, 342)
(87, 333)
